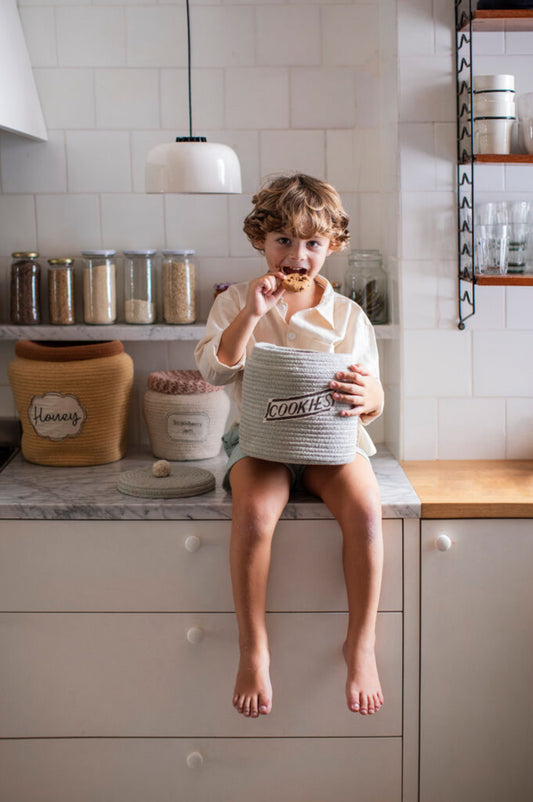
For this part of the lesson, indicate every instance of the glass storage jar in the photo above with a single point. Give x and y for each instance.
(61, 291)
(139, 299)
(99, 287)
(25, 288)
(365, 282)
(179, 287)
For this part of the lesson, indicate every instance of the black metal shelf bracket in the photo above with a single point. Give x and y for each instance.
(465, 162)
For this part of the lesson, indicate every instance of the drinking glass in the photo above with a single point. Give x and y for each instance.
(492, 249)
(519, 216)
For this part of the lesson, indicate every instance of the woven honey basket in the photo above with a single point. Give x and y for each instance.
(184, 414)
(72, 400)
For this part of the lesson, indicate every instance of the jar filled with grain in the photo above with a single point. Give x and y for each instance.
(179, 287)
(25, 288)
(61, 291)
(139, 298)
(99, 287)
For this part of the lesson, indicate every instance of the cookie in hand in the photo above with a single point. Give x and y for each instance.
(296, 282)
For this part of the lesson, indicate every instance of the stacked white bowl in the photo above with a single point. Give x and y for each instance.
(494, 113)
(525, 116)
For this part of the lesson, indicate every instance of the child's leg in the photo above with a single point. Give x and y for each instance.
(260, 491)
(351, 493)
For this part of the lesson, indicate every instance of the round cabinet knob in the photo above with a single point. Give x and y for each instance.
(195, 635)
(443, 543)
(192, 543)
(195, 760)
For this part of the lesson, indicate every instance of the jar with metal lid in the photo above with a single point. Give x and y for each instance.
(179, 287)
(139, 299)
(61, 291)
(25, 288)
(365, 282)
(99, 287)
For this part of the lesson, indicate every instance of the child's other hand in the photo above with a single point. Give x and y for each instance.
(360, 389)
(263, 293)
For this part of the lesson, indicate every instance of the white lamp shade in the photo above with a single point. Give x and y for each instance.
(193, 167)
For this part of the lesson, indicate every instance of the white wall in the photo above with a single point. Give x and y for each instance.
(290, 85)
(469, 394)
(305, 85)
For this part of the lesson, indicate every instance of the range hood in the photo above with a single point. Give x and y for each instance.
(20, 108)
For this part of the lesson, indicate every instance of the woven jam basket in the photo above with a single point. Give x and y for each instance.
(72, 400)
(184, 414)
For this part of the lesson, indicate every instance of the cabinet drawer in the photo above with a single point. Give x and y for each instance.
(233, 770)
(173, 566)
(130, 674)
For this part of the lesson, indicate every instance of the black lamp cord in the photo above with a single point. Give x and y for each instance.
(189, 64)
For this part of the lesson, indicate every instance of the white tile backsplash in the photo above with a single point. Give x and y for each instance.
(519, 418)
(185, 219)
(67, 224)
(156, 36)
(519, 307)
(227, 38)
(38, 25)
(283, 151)
(132, 221)
(420, 428)
(266, 90)
(207, 86)
(18, 231)
(350, 34)
(323, 97)
(29, 166)
(127, 98)
(89, 36)
(437, 364)
(288, 35)
(416, 29)
(98, 161)
(349, 90)
(67, 97)
(502, 363)
(471, 428)
(427, 93)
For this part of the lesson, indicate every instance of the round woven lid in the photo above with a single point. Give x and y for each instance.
(183, 481)
(179, 382)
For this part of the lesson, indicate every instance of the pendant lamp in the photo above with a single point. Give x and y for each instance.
(191, 164)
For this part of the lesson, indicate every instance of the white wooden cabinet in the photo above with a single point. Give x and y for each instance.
(476, 732)
(118, 650)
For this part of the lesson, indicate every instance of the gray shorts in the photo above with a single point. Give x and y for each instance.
(232, 448)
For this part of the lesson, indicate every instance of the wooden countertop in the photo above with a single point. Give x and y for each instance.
(473, 488)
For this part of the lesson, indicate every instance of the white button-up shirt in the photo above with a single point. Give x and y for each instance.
(335, 325)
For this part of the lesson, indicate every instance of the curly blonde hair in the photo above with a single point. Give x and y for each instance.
(300, 204)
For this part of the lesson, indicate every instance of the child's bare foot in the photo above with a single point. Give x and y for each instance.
(363, 688)
(253, 691)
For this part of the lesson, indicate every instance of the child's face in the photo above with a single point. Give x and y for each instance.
(286, 253)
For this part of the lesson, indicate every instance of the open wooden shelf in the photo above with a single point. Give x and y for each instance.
(506, 20)
(504, 158)
(512, 280)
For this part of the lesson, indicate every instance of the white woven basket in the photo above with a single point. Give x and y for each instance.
(288, 410)
(185, 427)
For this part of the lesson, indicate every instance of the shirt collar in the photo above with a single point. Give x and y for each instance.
(325, 306)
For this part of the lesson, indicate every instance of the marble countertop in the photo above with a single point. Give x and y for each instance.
(30, 491)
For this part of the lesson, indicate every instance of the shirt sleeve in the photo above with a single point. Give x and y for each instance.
(224, 310)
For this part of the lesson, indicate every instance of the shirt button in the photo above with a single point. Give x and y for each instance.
(291, 335)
